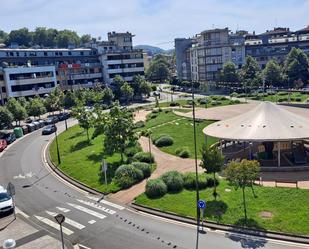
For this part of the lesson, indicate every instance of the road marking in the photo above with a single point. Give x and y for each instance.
(54, 225)
(18, 211)
(91, 222)
(65, 210)
(97, 206)
(27, 175)
(68, 221)
(79, 246)
(106, 202)
(88, 211)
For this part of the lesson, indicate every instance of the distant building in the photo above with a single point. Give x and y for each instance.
(202, 57)
(97, 63)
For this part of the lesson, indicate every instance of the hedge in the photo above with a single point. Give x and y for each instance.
(164, 140)
(173, 181)
(183, 152)
(190, 180)
(155, 188)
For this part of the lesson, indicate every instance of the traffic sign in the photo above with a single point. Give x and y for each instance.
(201, 204)
(104, 165)
(11, 189)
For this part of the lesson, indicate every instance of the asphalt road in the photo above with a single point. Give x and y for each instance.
(40, 195)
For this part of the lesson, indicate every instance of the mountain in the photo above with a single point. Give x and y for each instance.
(151, 50)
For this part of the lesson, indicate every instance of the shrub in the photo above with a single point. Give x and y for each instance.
(174, 104)
(139, 124)
(214, 97)
(155, 111)
(237, 101)
(144, 167)
(190, 180)
(167, 110)
(131, 151)
(152, 116)
(173, 181)
(234, 94)
(127, 175)
(203, 101)
(155, 188)
(222, 98)
(210, 182)
(282, 93)
(183, 152)
(189, 102)
(143, 157)
(298, 99)
(164, 140)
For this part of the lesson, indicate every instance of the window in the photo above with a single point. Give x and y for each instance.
(45, 53)
(81, 53)
(70, 53)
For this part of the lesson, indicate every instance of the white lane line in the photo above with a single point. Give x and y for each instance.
(65, 210)
(97, 206)
(54, 225)
(91, 222)
(18, 211)
(106, 202)
(68, 221)
(88, 211)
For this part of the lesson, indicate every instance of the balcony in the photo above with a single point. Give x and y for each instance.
(31, 92)
(32, 81)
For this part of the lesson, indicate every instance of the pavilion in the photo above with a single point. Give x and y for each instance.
(258, 133)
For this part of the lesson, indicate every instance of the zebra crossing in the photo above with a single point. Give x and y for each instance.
(94, 211)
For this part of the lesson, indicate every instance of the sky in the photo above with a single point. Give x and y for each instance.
(154, 22)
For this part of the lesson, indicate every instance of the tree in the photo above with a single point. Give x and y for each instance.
(229, 73)
(242, 175)
(145, 88)
(20, 36)
(85, 39)
(273, 74)
(18, 111)
(250, 72)
(40, 36)
(3, 36)
(54, 101)
(67, 37)
(127, 92)
(296, 66)
(107, 96)
(69, 100)
(84, 117)
(212, 162)
(117, 83)
(6, 118)
(159, 69)
(119, 131)
(36, 107)
(23, 102)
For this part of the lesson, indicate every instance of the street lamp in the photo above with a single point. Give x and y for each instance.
(60, 219)
(58, 153)
(196, 170)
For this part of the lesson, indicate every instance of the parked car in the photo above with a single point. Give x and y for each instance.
(3, 144)
(42, 123)
(37, 125)
(9, 137)
(31, 127)
(49, 129)
(25, 129)
(29, 120)
(6, 201)
(63, 116)
(51, 120)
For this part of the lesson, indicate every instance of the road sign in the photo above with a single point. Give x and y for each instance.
(201, 204)
(11, 189)
(104, 168)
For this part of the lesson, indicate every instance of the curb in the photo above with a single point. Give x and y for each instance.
(228, 228)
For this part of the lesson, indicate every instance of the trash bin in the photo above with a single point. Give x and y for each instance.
(18, 131)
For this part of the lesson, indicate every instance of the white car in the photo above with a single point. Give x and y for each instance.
(6, 201)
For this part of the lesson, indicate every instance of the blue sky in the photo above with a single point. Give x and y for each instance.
(154, 22)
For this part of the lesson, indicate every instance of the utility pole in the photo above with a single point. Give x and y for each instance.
(58, 152)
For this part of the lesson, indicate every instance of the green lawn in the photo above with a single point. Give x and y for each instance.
(289, 207)
(181, 130)
(278, 97)
(82, 161)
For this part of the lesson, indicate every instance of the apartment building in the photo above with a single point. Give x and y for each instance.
(211, 49)
(32, 71)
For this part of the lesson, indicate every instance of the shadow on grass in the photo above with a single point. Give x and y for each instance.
(245, 241)
(215, 210)
(80, 145)
(77, 134)
(96, 157)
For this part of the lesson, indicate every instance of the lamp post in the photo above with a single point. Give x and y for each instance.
(196, 171)
(58, 153)
(60, 219)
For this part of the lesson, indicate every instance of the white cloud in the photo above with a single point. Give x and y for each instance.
(153, 21)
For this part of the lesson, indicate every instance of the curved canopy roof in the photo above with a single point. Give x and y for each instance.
(266, 122)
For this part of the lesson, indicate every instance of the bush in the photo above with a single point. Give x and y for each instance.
(282, 93)
(155, 111)
(173, 181)
(234, 94)
(174, 104)
(143, 157)
(155, 188)
(222, 98)
(127, 175)
(190, 180)
(203, 101)
(183, 152)
(151, 116)
(210, 182)
(237, 101)
(139, 124)
(164, 140)
(298, 99)
(189, 102)
(131, 151)
(214, 97)
(144, 167)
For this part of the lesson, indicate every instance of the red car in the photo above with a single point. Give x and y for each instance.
(3, 144)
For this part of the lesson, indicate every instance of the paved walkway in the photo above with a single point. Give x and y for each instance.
(165, 162)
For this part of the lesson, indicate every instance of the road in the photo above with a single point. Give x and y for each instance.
(40, 195)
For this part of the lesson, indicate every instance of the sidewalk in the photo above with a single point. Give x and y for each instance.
(25, 234)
